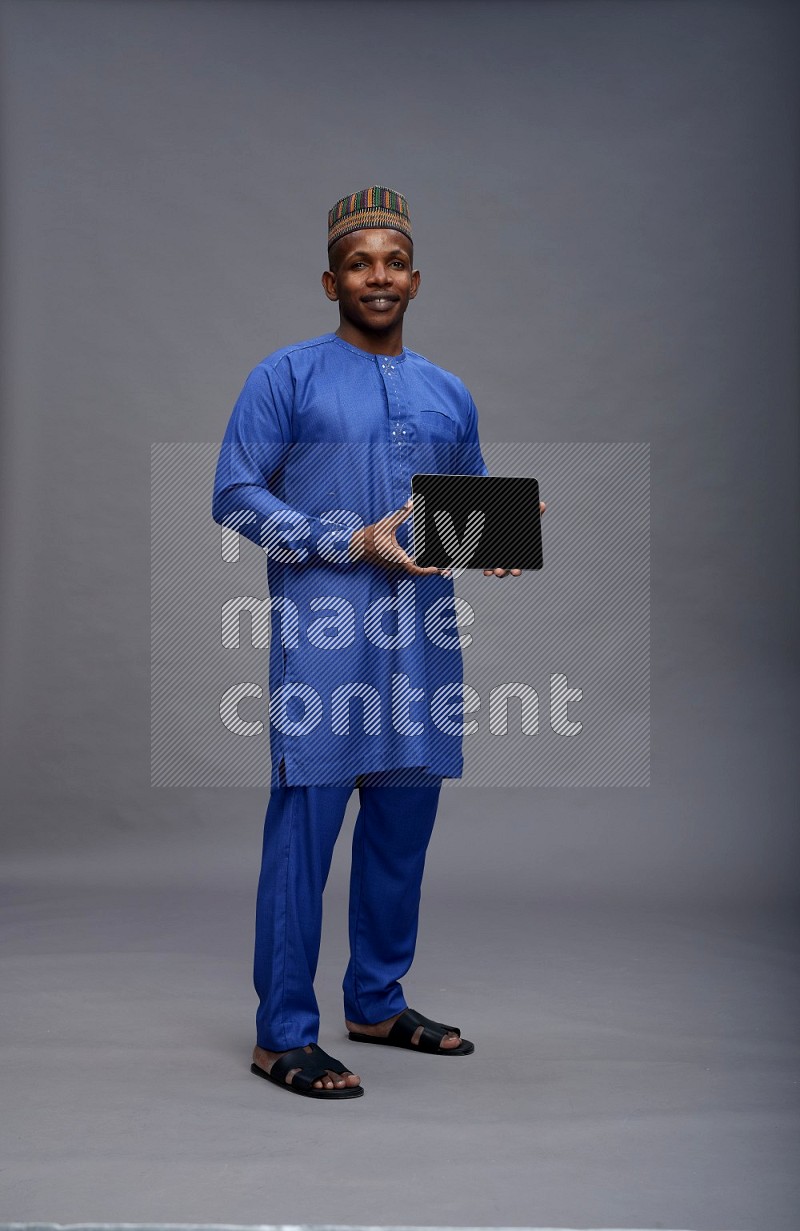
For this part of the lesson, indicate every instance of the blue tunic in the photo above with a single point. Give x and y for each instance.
(365, 666)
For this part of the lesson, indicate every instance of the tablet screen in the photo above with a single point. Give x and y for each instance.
(475, 521)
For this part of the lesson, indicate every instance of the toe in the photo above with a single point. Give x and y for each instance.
(451, 1039)
(343, 1080)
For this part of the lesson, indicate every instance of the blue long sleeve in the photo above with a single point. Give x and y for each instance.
(254, 450)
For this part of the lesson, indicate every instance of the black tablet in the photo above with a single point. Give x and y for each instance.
(476, 521)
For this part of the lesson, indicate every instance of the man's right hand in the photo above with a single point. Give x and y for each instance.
(377, 544)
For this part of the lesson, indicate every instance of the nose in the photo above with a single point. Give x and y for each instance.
(380, 274)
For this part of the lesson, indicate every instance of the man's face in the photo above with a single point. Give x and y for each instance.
(371, 278)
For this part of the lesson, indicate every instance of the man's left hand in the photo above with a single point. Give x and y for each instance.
(510, 572)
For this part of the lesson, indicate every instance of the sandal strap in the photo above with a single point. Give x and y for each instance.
(330, 1062)
(298, 1058)
(409, 1022)
(313, 1066)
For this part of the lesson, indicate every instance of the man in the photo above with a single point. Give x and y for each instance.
(316, 468)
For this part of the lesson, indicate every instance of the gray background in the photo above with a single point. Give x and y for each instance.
(605, 201)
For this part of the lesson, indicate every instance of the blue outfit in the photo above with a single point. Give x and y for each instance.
(390, 838)
(365, 666)
(323, 438)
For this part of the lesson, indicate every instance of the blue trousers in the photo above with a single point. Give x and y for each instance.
(390, 839)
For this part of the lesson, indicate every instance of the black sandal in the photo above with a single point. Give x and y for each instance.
(404, 1029)
(313, 1066)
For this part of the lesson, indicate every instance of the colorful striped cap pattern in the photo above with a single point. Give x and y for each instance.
(372, 207)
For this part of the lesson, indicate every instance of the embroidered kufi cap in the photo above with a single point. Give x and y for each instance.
(372, 207)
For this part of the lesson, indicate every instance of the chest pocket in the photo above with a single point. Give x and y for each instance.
(437, 425)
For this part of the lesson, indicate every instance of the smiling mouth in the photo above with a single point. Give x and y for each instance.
(380, 301)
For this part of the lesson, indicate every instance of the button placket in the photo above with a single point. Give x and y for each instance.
(398, 427)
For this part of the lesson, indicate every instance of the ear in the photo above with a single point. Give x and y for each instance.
(329, 284)
(415, 280)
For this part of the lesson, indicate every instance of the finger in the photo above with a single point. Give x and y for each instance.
(428, 570)
(399, 515)
(392, 553)
(419, 571)
(384, 541)
(401, 557)
(542, 507)
(515, 572)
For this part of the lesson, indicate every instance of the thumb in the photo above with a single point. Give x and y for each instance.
(402, 513)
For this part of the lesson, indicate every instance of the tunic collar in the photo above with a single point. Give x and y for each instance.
(366, 354)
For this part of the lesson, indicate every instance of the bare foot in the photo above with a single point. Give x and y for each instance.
(334, 1081)
(381, 1029)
